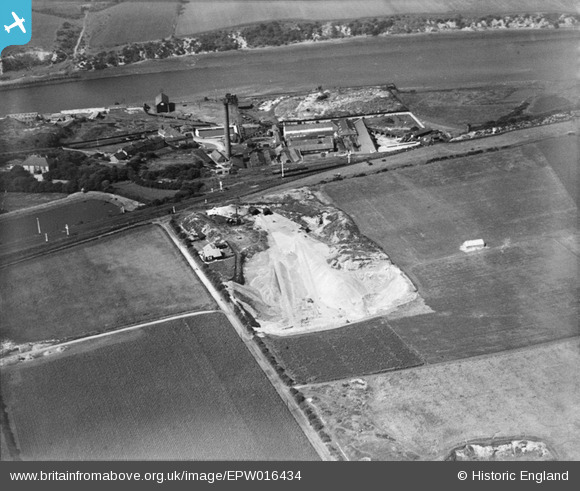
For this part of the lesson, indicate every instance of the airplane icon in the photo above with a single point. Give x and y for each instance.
(17, 22)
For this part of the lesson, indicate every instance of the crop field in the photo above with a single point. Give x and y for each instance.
(354, 350)
(204, 15)
(127, 278)
(182, 390)
(24, 228)
(521, 290)
(149, 21)
(423, 413)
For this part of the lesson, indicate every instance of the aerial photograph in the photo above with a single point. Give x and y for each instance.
(290, 230)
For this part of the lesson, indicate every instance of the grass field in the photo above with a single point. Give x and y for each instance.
(23, 229)
(141, 193)
(156, 19)
(149, 21)
(425, 412)
(182, 390)
(204, 15)
(478, 105)
(20, 201)
(358, 349)
(44, 29)
(522, 290)
(461, 106)
(128, 278)
(71, 9)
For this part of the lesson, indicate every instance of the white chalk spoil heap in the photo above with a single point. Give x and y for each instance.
(300, 284)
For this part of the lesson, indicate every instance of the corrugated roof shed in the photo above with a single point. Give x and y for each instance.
(322, 129)
(313, 145)
(345, 127)
(364, 139)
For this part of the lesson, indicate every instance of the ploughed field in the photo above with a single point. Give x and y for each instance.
(184, 389)
(358, 349)
(521, 290)
(127, 278)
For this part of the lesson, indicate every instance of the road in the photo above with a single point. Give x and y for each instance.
(282, 389)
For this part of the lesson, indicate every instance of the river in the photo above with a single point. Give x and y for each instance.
(412, 61)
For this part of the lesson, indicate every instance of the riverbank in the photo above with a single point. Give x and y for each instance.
(423, 60)
(190, 61)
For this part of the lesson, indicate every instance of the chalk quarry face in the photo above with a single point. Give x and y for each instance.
(317, 273)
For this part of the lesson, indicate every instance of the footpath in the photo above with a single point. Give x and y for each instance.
(119, 201)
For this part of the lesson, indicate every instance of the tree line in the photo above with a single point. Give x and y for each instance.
(82, 172)
(273, 33)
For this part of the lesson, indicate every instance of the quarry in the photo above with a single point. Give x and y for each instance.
(349, 250)
(308, 269)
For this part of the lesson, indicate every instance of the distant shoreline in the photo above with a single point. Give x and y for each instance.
(188, 62)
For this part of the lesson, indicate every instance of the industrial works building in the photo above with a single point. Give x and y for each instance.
(162, 104)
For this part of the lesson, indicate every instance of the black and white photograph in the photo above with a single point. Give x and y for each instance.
(290, 231)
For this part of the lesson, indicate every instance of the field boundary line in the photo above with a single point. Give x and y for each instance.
(282, 390)
(11, 359)
(566, 340)
(70, 245)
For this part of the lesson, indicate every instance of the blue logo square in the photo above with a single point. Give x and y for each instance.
(15, 22)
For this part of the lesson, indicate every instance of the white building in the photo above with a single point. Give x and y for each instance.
(472, 245)
(211, 252)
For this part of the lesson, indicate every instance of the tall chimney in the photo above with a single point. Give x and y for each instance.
(226, 101)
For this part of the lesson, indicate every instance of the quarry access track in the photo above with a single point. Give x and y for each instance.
(46, 349)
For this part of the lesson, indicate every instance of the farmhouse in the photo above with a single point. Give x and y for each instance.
(36, 165)
(211, 252)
